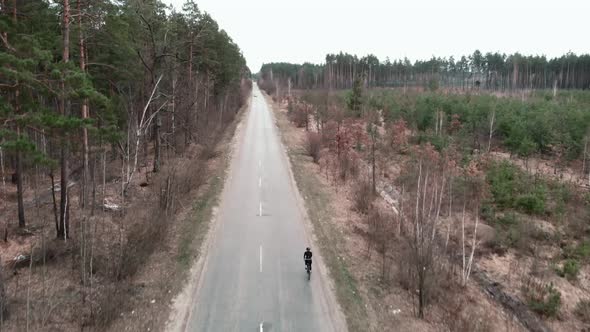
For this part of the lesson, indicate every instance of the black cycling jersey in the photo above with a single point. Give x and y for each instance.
(307, 255)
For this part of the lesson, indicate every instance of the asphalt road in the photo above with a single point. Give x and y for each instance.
(254, 276)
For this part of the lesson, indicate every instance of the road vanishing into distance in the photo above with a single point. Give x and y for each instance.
(254, 276)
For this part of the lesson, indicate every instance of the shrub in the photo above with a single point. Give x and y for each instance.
(512, 188)
(349, 165)
(299, 116)
(267, 86)
(533, 202)
(488, 212)
(109, 303)
(379, 231)
(583, 250)
(583, 311)
(363, 196)
(514, 236)
(569, 270)
(459, 315)
(438, 142)
(354, 99)
(314, 145)
(503, 178)
(508, 219)
(433, 84)
(579, 252)
(514, 232)
(209, 150)
(562, 195)
(543, 299)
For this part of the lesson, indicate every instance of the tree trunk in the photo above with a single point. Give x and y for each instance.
(84, 111)
(421, 294)
(173, 115)
(491, 130)
(157, 148)
(192, 100)
(93, 172)
(373, 163)
(19, 186)
(63, 204)
(19, 168)
(64, 208)
(55, 213)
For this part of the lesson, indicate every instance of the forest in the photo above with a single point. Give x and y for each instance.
(461, 175)
(101, 102)
(490, 71)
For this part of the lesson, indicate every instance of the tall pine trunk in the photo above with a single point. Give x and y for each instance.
(19, 186)
(188, 125)
(19, 162)
(84, 111)
(64, 204)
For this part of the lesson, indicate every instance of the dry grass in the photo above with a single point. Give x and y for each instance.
(583, 311)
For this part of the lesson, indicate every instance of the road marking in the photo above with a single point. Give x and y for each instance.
(260, 209)
(261, 328)
(260, 259)
(260, 182)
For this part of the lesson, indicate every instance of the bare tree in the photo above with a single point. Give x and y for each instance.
(467, 260)
(142, 127)
(374, 135)
(422, 244)
(467, 270)
(492, 119)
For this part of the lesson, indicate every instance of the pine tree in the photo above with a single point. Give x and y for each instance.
(355, 97)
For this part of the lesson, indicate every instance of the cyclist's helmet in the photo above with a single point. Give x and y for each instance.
(307, 249)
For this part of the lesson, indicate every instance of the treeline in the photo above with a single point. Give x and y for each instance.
(80, 80)
(490, 71)
(553, 127)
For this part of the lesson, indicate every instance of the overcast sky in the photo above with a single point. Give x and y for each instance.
(306, 30)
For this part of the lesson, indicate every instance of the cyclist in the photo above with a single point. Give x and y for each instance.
(307, 257)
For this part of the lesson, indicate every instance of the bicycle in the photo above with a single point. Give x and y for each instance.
(308, 269)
